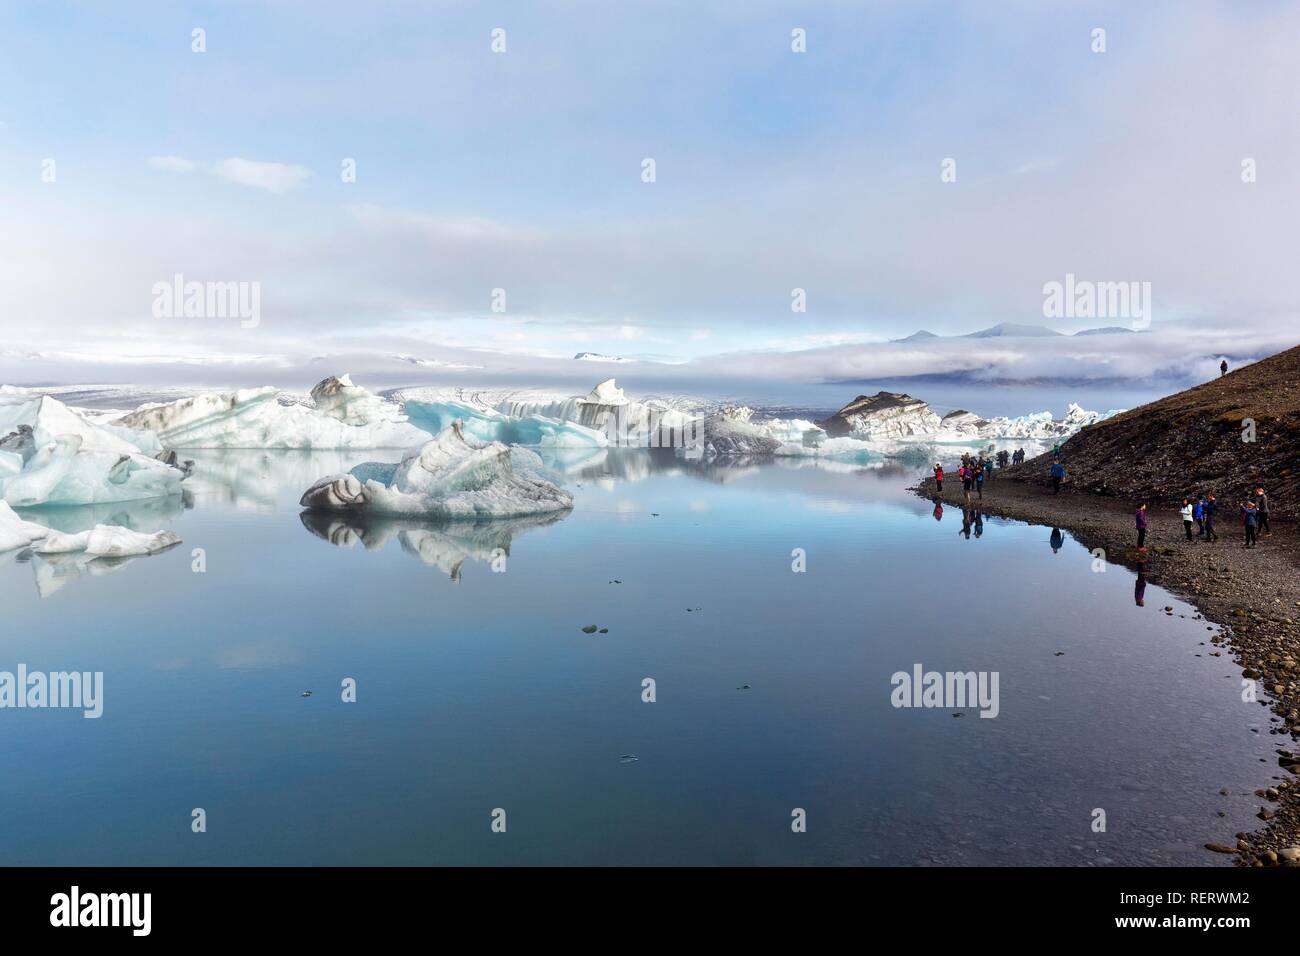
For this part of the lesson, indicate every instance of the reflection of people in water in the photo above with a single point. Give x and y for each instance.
(1140, 587)
(1056, 540)
(979, 524)
(965, 523)
(938, 511)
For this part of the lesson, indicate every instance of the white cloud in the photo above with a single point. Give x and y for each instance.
(172, 164)
(273, 177)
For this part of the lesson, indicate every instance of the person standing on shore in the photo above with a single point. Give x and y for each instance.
(979, 479)
(1058, 473)
(1250, 517)
(938, 478)
(1140, 519)
(1198, 515)
(1223, 368)
(1211, 509)
(1187, 518)
(966, 482)
(1261, 505)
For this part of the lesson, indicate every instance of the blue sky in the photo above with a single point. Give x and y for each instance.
(521, 170)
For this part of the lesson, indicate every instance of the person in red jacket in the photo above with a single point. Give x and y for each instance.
(938, 477)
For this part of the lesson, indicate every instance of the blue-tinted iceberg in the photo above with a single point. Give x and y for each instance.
(452, 476)
(487, 424)
(50, 455)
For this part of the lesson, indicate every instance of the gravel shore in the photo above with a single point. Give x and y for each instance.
(1253, 595)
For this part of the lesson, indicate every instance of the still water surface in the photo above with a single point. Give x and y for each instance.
(478, 690)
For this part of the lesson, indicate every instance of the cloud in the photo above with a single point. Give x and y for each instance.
(172, 164)
(273, 177)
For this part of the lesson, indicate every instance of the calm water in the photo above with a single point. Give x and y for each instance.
(478, 690)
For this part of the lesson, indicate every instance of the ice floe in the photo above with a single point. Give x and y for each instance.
(339, 415)
(451, 476)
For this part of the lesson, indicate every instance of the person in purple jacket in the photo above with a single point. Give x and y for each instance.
(1140, 519)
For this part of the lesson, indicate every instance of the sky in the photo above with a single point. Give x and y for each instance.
(500, 221)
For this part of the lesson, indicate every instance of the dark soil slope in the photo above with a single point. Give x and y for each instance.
(1192, 443)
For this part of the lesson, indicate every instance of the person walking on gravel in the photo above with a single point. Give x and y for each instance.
(1223, 368)
(1211, 509)
(1187, 518)
(1058, 473)
(1261, 505)
(1140, 519)
(1198, 515)
(1250, 517)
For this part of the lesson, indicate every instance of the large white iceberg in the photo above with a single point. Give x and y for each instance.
(451, 476)
(50, 455)
(340, 415)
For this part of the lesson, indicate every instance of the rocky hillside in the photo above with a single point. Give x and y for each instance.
(1192, 442)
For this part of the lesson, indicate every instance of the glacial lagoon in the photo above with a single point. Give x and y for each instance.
(477, 688)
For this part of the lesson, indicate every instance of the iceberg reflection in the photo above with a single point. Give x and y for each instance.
(445, 544)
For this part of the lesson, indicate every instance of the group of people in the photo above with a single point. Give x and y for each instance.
(976, 469)
(1202, 513)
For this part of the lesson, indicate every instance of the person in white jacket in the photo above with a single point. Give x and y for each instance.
(1187, 518)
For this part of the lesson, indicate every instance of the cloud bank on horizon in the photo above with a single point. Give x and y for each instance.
(430, 200)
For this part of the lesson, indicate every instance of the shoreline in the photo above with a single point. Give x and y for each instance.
(1252, 595)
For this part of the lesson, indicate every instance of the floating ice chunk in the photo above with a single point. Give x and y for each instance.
(450, 476)
(60, 543)
(15, 532)
(109, 541)
(342, 416)
(64, 472)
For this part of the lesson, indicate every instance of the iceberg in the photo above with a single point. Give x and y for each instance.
(51, 455)
(452, 476)
(16, 532)
(108, 541)
(888, 421)
(340, 416)
(607, 410)
(488, 424)
(64, 472)
(732, 433)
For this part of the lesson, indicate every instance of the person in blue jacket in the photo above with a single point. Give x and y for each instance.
(1058, 473)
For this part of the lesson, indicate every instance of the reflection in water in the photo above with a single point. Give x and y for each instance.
(53, 571)
(252, 480)
(147, 515)
(1056, 540)
(1140, 586)
(938, 511)
(444, 544)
